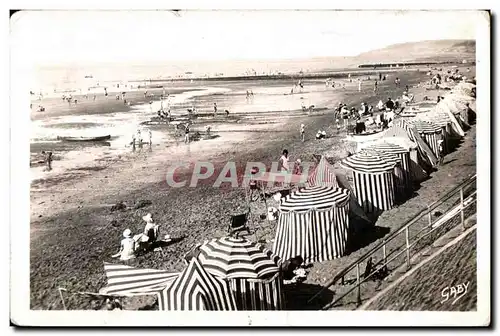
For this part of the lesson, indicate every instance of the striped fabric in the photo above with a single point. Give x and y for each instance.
(313, 223)
(431, 133)
(323, 175)
(129, 281)
(230, 258)
(403, 181)
(258, 295)
(250, 268)
(368, 162)
(196, 289)
(320, 197)
(373, 180)
(374, 191)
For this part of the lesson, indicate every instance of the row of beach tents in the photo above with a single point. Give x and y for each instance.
(233, 273)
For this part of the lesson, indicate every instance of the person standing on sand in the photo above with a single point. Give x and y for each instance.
(150, 135)
(441, 151)
(284, 161)
(186, 134)
(133, 142)
(139, 138)
(215, 110)
(375, 87)
(359, 85)
(302, 132)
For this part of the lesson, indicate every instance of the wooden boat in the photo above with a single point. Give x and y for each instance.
(98, 138)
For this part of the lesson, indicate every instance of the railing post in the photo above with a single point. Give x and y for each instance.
(358, 282)
(462, 208)
(408, 264)
(384, 253)
(429, 216)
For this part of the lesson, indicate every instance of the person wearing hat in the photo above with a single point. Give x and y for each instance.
(127, 246)
(151, 230)
(302, 132)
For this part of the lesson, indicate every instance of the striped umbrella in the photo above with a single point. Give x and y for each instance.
(323, 175)
(230, 258)
(313, 224)
(431, 132)
(129, 281)
(250, 268)
(373, 180)
(319, 198)
(368, 162)
(196, 289)
(403, 176)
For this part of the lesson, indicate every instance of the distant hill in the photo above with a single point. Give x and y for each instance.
(438, 51)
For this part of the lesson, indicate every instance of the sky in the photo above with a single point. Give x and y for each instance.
(46, 38)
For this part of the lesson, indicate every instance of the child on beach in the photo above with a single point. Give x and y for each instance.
(302, 132)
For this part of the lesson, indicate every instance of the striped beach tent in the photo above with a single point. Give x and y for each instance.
(196, 289)
(323, 175)
(130, 281)
(431, 133)
(373, 180)
(403, 140)
(403, 181)
(313, 224)
(250, 268)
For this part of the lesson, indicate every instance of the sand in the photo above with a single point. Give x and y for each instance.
(73, 230)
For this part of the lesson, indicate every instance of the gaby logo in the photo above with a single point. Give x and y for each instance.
(454, 292)
(202, 172)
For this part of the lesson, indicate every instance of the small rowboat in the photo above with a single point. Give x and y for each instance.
(98, 138)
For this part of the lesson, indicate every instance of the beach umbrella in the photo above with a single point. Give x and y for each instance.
(250, 268)
(431, 133)
(129, 281)
(196, 289)
(232, 257)
(373, 180)
(313, 223)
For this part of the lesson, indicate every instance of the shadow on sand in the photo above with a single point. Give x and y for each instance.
(297, 295)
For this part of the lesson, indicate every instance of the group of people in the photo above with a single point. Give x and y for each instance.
(130, 245)
(137, 139)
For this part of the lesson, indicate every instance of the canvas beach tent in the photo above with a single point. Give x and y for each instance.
(196, 289)
(373, 180)
(400, 125)
(325, 174)
(431, 133)
(251, 270)
(313, 224)
(403, 181)
(399, 137)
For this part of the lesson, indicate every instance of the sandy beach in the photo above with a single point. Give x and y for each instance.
(73, 230)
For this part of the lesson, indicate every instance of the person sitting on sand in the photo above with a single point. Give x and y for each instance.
(151, 230)
(289, 266)
(380, 105)
(127, 246)
(284, 161)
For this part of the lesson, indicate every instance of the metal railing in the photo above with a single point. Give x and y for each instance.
(461, 198)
